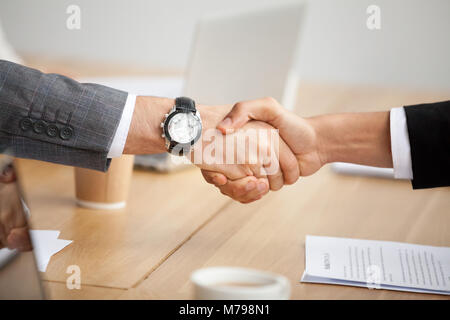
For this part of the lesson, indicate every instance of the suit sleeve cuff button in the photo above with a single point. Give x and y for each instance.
(66, 133)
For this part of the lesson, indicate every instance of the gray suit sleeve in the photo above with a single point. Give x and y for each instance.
(53, 118)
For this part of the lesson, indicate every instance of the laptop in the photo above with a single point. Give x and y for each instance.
(19, 276)
(235, 56)
(246, 55)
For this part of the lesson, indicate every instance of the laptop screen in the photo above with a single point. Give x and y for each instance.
(19, 277)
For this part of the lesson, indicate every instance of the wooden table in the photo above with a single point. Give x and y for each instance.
(176, 223)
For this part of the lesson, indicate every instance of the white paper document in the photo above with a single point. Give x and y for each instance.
(45, 245)
(377, 264)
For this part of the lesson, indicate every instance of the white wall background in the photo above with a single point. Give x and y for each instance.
(412, 49)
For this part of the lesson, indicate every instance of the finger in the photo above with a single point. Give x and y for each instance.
(19, 239)
(236, 189)
(214, 178)
(246, 189)
(275, 177)
(271, 164)
(266, 109)
(8, 175)
(262, 188)
(288, 163)
(280, 164)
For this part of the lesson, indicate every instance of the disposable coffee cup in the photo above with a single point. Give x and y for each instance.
(104, 190)
(231, 283)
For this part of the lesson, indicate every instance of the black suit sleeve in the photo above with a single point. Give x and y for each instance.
(429, 137)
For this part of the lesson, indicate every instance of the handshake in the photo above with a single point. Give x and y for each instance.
(266, 147)
(255, 146)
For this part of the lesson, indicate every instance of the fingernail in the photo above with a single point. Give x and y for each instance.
(261, 186)
(225, 123)
(250, 186)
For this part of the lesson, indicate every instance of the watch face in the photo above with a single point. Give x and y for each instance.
(184, 127)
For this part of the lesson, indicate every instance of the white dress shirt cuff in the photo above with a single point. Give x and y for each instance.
(400, 147)
(121, 134)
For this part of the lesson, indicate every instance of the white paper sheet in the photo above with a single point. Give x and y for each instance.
(377, 264)
(45, 245)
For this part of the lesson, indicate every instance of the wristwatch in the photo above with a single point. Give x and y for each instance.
(182, 126)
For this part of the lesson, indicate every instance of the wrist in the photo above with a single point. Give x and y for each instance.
(334, 141)
(361, 138)
(144, 135)
(322, 142)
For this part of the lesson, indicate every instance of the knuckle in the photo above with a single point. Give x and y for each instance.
(234, 194)
(237, 192)
(239, 107)
(266, 108)
(271, 100)
(241, 190)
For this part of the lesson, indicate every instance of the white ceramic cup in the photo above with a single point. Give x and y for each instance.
(231, 283)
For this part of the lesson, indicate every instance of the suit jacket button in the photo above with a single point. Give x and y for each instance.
(40, 126)
(26, 124)
(52, 130)
(66, 133)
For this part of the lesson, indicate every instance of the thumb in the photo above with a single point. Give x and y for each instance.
(265, 110)
(234, 120)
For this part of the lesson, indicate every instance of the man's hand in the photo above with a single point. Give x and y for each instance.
(362, 138)
(297, 132)
(13, 225)
(273, 161)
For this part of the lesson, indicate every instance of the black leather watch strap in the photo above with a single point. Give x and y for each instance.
(179, 149)
(185, 104)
